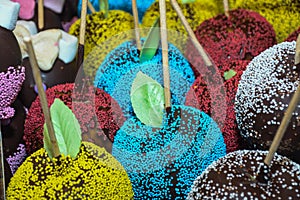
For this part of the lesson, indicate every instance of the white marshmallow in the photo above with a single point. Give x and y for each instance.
(45, 44)
(29, 25)
(9, 12)
(55, 5)
(20, 32)
(67, 47)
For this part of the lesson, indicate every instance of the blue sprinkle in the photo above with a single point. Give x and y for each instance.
(162, 163)
(125, 5)
(117, 72)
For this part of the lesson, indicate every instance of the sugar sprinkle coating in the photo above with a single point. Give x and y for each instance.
(124, 5)
(195, 13)
(98, 114)
(241, 37)
(116, 74)
(284, 15)
(94, 174)
(163, 162)
(203, 97)
(17, 158)
(268, 3)
(10, 85)
(12, 129)
(234, 177)
(264, 92)
(99, 29)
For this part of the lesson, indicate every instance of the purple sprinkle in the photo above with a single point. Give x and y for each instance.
(10, 85)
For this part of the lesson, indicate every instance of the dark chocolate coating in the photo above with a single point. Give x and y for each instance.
(59, 74)
(69, 10)
(264, 93)
(235, 177)
(7, 176)
(10, 53)
(7, 173)
(51, 19)
(12, 133)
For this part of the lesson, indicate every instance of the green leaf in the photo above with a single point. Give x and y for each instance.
(229, 74)
(66, 128)
(147, 99)
(151, 44)
(187, 1)
(104, 6)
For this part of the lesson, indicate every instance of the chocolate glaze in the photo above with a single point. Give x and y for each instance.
(12, 132)
(51, 19)
(10, 53)
(59, 74)
(235, 176)
(7, 173)
(264, 92)
(69, 10)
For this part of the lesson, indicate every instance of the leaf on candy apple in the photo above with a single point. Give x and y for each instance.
(67, 130)
(187, 1)
(229, 74)
(151, 44)
(147, 99)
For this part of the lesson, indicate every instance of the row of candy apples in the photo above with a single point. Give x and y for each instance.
(232, 43)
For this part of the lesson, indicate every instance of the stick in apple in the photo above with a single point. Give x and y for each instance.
(191, 34)
(80, 52)
(164, 45)
(297, 54)
(42, 94)
(287, 116)
(136, 24)
(226, 8)
(263, 175)
(41, 14)
(91, 7)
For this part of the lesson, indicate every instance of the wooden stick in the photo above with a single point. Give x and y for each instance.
(41, 14)
(287, 115)
(80, 52)
(91, 7)
(283, 126)
(38, 80)
(189, 30)
(297, 53)
(2, 188)
(226, 8)
(136, 25)
(164, 44)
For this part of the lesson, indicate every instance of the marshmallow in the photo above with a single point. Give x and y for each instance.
(55, 5)
(24, 29)
(27, 8)
(45, 44)
(29, 25)
(9, 12)
(67, 47)
(20, 32)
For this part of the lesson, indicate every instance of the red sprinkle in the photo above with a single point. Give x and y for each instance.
(86, 106)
